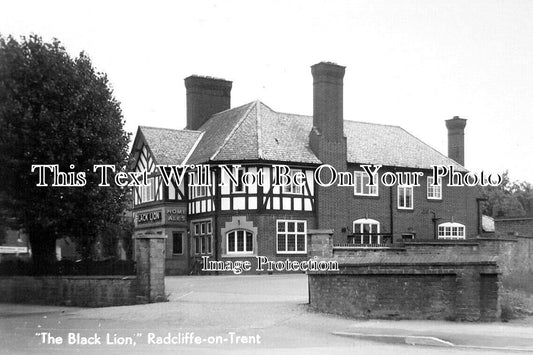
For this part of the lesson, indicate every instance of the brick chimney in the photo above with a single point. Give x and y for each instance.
(328, 142)
(328, 100)
(456, 139)
(205, 97)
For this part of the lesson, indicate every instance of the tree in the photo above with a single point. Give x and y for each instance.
(55, 109)
(509, 199)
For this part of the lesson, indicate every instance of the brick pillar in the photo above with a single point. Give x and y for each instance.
(320, 243)
(467, 297)
(150, 258)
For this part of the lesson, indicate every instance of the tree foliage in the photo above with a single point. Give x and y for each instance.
(509, 199)
(56, 109)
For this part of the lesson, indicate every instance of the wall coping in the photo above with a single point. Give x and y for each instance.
(505, 219)
(320, 231)
(356, 264)
(150, 236)
(441, 242)
(420, 259)
(498, 239)
(365, 248)
(88, 277)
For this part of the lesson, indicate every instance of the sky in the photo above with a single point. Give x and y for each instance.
(408, 63)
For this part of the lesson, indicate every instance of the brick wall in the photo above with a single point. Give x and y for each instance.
(458, 203)
(515, 226)
(513, 254)
(83, 291)
(409, 288)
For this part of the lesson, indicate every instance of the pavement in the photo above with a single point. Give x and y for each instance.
(241, 314)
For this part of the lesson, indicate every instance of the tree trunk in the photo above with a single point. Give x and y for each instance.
(43, 250)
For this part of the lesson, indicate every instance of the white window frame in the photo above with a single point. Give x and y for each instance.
(148, 191)
(371, 222)
(434, 192)
(286, 232)
(361, 179)
(200, 191)
(406, 189)
(451, 230)
(293, 188)
(201, 236)
(240, 174)
(247, 234)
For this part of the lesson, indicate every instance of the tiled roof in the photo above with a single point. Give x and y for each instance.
(217, 131)
(256, 132)
(169, 146)
(370, 143)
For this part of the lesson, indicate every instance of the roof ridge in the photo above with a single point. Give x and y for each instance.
(229, 109)
(258, 123)
(233, 130)
(375, 124)
(173, 129)
(344, 120)
(193, 148)
(427, 145)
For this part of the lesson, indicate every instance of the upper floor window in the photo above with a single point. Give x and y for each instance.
(202, 237)
(434, 191)
(240, 241)
(405, 197)
(148, 191)
(239, 186)
(364, 230)
(451, 230)
(291, 237)
(361, 185)
(294, 187)
(199, 191)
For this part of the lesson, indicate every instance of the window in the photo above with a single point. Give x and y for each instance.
(291, 237)
(148, 192)
(364, 229)
(361, 187)
(294, 188)
(177, 242)
(239, 242)
(408, 236)
(202, 236)
(199, 191)
(434, 191)
(451, 230)
(405, 197)
(239, 187)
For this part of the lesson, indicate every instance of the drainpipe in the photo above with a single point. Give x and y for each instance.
(391, 204)
(435, 219)
(480, 215)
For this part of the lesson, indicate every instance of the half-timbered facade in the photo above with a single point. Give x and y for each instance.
(243, 213)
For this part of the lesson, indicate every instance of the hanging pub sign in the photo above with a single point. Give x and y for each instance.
(148, 217)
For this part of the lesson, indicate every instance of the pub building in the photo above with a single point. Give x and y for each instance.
(239, 221)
